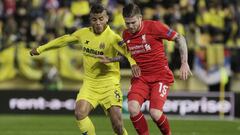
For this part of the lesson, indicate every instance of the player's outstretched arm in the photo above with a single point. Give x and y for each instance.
(184, 69)
(54, 44)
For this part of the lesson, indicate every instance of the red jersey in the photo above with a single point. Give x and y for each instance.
(146, 47)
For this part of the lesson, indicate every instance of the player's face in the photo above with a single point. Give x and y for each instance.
(99, 21)
(133, 24)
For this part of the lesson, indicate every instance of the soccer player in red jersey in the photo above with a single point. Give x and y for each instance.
(144, 40)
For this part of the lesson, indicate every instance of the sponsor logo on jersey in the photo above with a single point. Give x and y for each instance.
(140, 48)
(147, 47)
(92, 51)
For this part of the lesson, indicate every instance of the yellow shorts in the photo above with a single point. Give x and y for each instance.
(104, 93)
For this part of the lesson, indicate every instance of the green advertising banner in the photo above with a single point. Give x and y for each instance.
(63, 102)
(193, 104)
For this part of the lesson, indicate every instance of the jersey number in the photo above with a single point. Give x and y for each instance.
(162, 89)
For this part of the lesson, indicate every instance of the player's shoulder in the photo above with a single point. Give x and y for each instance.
(83, 30)
(151, 23)
(155, 25)
(112, 33)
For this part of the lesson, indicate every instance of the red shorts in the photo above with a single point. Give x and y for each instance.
(142, 90)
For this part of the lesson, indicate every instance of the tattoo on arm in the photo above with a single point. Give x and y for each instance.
(181, 42)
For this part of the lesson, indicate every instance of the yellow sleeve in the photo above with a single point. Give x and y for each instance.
(58, 43)
(123, 51)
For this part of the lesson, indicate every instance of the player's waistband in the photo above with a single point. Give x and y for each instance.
(102, 80)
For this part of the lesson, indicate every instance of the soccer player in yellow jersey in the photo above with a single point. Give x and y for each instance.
(101, 85)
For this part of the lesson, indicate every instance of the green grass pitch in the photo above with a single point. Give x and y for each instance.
(65, 125)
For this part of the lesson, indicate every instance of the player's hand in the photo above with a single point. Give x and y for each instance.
(103, 58)
(185, 71)
(136, 71)
(34, 52)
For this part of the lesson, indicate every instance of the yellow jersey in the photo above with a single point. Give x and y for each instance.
(93, 44)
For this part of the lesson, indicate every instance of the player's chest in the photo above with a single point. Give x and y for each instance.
(93, 45)
(141, 44)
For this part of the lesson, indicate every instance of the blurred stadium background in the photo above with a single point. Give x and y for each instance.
(48, 84)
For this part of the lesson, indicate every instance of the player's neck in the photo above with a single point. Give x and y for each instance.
(96, 33)
(140, 26)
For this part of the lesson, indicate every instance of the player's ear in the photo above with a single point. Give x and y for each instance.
(107, 17)
(139, 17)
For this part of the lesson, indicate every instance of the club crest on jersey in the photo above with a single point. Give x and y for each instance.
(101, 46)
(144, 41)
(147, 47)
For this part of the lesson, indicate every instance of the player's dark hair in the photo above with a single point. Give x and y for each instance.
(131, 10)
(97, 8)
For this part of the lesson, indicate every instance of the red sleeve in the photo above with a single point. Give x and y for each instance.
(163, 30)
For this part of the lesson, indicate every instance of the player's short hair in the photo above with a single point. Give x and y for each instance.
(131, 10)
(97, 8)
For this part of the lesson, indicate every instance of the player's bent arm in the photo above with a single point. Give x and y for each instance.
(58, 43)
(123, 51)
(136, 71)
(184, 69)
